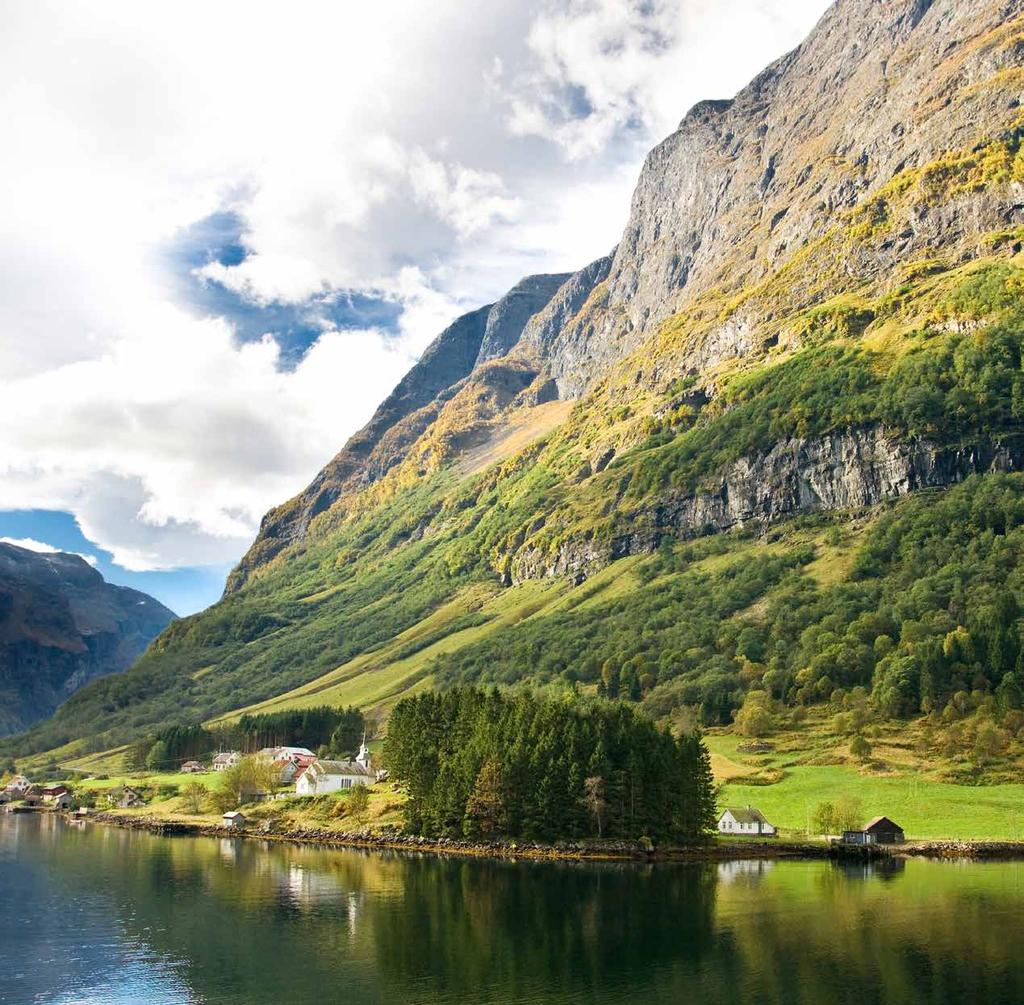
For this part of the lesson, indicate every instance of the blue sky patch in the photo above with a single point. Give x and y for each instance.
(184, 591)
(295, 327)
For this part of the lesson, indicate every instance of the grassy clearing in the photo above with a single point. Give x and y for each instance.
(807, 767)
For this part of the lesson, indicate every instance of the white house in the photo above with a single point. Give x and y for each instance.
(332, 776)
(287, 753)
(226, 759)
(18, 786)
(745, 822)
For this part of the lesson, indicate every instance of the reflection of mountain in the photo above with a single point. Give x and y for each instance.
(241, 921)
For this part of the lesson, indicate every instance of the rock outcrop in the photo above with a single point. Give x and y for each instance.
(509, 315)
(61, 626)
(847, 470)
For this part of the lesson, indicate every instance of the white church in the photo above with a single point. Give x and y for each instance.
(333, 776)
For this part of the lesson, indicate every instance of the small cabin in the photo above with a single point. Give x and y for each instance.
(747, 821)
(62, 803)
(192, 768)
(234, 820)
(880, 830)
(18, 786)
(129, 799)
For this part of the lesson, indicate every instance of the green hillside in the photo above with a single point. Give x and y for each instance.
(593, 547)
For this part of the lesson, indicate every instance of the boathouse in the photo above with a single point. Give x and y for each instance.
(234, 820)
(881, 830)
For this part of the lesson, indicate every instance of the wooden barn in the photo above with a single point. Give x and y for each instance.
(881, 830)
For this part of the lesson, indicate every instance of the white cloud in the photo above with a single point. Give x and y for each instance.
(428, 153)
(31, 544)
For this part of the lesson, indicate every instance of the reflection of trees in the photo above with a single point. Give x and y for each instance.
(480, 930)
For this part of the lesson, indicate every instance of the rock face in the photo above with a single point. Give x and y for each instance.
(879, 86)
(844, 471)
(508, 317)
(727, 201)
(61, 626)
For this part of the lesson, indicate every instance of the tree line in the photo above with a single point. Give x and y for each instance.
(324, 729)
(485, 763)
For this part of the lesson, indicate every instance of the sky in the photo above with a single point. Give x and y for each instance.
(227, 230)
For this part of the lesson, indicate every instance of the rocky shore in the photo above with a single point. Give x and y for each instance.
(711, 851)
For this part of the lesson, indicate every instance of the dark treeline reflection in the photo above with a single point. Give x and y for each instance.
(143, 918)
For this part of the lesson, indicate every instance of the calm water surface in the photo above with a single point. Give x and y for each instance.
(99, 915)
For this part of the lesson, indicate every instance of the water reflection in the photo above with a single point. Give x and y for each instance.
(109, 916)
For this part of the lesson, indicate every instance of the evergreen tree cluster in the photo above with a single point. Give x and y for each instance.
(487, 763)
(337, 729)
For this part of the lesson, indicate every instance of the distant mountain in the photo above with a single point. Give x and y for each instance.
(61, 626)
(771, 444)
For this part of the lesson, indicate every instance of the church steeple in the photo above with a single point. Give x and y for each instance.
(364, 754)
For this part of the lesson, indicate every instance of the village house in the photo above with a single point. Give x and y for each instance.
(881, 830)
(296, 754)
(745, 822)
(333, 776)
(192, 768)
(51, 793)
(129, 799)
(226, 759)
(62, 803)
(287, 771)
(234, 820)
(18, 786)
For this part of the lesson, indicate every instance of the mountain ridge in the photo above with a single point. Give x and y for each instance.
(61, 626)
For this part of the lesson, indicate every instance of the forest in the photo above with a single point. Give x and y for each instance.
(486, 764)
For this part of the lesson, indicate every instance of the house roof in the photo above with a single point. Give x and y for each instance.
(233, 814)
(746, 815)
(339, 768)
(872, 824)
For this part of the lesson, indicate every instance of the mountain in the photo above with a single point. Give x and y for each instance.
(62, 626)
(769, 443)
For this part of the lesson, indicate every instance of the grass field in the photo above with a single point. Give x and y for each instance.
(905, 790)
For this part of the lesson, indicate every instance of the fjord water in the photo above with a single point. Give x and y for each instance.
(92, 914)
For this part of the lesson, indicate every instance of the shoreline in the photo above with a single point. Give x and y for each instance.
(620, 851)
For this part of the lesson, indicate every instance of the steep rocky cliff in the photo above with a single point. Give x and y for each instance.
(61, 626)
(845, 471)
(472, 340)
